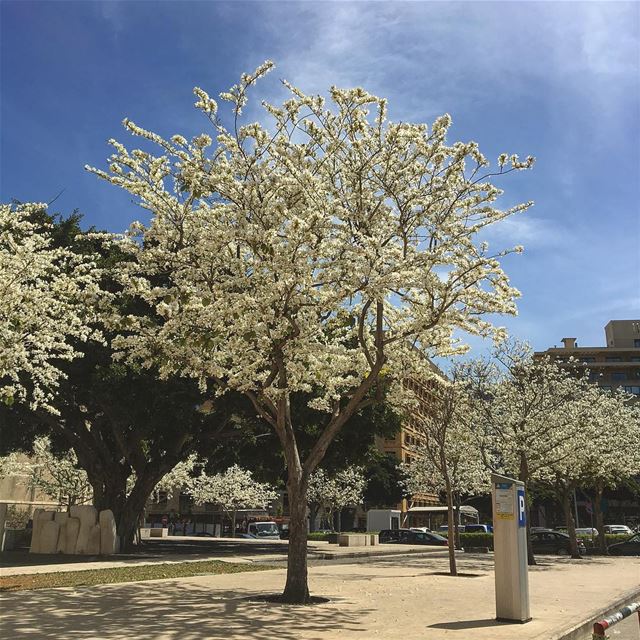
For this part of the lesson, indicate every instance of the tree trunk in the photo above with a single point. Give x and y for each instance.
(602, 540)
(567, 494)
(233, 523)
(296, 590)
(524, 477)
(451, 536)
(339, 518)
(133, 508)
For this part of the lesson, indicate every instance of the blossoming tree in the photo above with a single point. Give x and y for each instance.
(58, 476)
(527, 412)
(232, 490)
(48, 299)
(603, 452)
(447, 456)
(307, 255)
(334, 493)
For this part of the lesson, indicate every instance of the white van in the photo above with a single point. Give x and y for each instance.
(263, 530)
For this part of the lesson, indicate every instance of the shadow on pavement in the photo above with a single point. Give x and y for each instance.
(472, 624)
(166, 610)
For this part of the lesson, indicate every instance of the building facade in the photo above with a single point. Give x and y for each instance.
(610, 367)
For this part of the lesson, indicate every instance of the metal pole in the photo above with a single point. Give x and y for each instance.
(575, 504)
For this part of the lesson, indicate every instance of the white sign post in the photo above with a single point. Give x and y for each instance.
(510, 549)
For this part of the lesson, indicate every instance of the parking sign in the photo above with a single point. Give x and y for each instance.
(522, 509)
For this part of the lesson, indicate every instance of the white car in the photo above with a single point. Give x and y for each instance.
(586, 531)
(617, 528)
(420, 529)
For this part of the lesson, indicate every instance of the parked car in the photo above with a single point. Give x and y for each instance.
(630, 547)
(587, 531)
(617, 528)
(420, 529)
(478, 528)
(391, 535)
(556, 542)
(406, 536)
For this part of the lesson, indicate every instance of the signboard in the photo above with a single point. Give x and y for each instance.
(504, 501)
(522, 509)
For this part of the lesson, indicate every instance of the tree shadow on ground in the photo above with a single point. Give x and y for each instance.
(166, 610)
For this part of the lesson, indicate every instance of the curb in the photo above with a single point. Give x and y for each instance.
(583, 629)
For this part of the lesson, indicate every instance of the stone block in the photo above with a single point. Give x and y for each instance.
(93, 548)
(353, 540)
(49, 537)
(62, 536)
(108, 534)
(40, 517)
(71, 535)
(87, 515)
(3, 518)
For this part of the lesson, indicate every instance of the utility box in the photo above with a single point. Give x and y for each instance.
(379, 519)
(510, 549)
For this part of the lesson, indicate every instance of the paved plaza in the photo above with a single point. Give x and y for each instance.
(388, 597)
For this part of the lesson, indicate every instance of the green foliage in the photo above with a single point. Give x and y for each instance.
(476, 540)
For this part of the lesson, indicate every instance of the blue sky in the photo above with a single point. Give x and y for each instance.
(560, 81)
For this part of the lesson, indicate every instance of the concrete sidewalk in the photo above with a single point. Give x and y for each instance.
(395, 597)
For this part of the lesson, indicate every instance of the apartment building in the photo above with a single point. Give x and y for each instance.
(615, 365)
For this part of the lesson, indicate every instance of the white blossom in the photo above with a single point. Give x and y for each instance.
(59, 477)
(48, 301)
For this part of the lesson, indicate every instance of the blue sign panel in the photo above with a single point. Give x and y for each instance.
(522, 509)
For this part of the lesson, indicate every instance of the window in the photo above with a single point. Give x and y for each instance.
(636, 342)
(594, 376)
(605, 387)
(588, 359)
(635, 359)
(634, 390)
(618, 376)
(613, 359)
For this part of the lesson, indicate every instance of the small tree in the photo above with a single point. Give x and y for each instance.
(525, 412)
(308, 257)
(334, 493)
(232, 490)
(604, 452)
(448, 458)
(58, 476)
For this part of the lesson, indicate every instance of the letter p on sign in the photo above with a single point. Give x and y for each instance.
(522, 509)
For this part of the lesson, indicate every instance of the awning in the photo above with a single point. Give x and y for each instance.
(472, 511)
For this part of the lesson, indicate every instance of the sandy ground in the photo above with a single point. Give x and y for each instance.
(394, 597)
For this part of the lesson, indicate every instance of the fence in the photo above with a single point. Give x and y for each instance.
(600, 627)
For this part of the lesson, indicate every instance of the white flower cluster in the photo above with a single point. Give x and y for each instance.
(234, 489)
(48, 301)
(344, 489)
(308, 256)
(57, 476)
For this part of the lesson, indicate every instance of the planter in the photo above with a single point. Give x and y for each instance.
(354, 540)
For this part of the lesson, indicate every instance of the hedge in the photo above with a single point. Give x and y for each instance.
(486, 539)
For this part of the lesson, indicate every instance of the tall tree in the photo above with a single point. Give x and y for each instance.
(308, 257)
(120, 420)
(49, 300)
